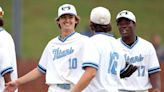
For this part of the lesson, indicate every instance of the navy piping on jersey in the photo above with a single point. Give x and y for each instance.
(63, 40)
(43, 70)
(130, 47)
(108, 34)
(86, 64)
(154, 70)
(7, 70)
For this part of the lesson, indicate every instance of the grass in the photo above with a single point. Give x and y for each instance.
(38, 25)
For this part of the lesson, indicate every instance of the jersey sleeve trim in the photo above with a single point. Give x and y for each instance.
(41, 69)
(6, 70)
(154, 70)
(90, 64)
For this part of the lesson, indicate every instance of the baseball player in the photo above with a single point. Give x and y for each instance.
(110, 62)
(8, 68)
(138, 52)
(62, 58)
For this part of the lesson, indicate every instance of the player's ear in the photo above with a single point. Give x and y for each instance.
(77, 18)
(57, 20)
(134, 23)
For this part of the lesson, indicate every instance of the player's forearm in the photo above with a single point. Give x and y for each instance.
(32, 75)
(85, 79)
(156, 82)
(7, 77)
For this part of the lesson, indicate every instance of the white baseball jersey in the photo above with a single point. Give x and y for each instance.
(110, 64)
(7, 57)
(142, 54)
(61, 60)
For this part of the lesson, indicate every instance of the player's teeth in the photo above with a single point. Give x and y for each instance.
(124, 30)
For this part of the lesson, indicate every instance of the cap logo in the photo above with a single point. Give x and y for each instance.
(66, 8)
(124, 13)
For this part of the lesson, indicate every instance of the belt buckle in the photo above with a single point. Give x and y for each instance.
(64, 86)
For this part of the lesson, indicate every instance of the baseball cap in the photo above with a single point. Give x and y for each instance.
(1, 12)
(66, 9)
(100, 15)
(126, 14)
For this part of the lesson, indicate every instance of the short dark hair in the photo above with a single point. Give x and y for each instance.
(100, 28)
(1, 21)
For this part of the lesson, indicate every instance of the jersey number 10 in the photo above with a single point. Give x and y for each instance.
(72, 63)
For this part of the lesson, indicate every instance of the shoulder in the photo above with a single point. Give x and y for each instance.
(78, 35)
(119, 39)
(101, 37)
(81, 38)
(6, 38)
(53, 40)
(144, 42)
(5, 34)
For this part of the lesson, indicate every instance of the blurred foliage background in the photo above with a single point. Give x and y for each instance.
(39, 26)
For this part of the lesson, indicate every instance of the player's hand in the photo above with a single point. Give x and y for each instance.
(11, 86)
(130, 69)
(154, 90)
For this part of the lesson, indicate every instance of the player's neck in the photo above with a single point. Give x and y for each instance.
(129, 40)
(65, 33)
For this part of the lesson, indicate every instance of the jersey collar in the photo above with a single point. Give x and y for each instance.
(63, 40)
(130, 47)
(108, 34)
